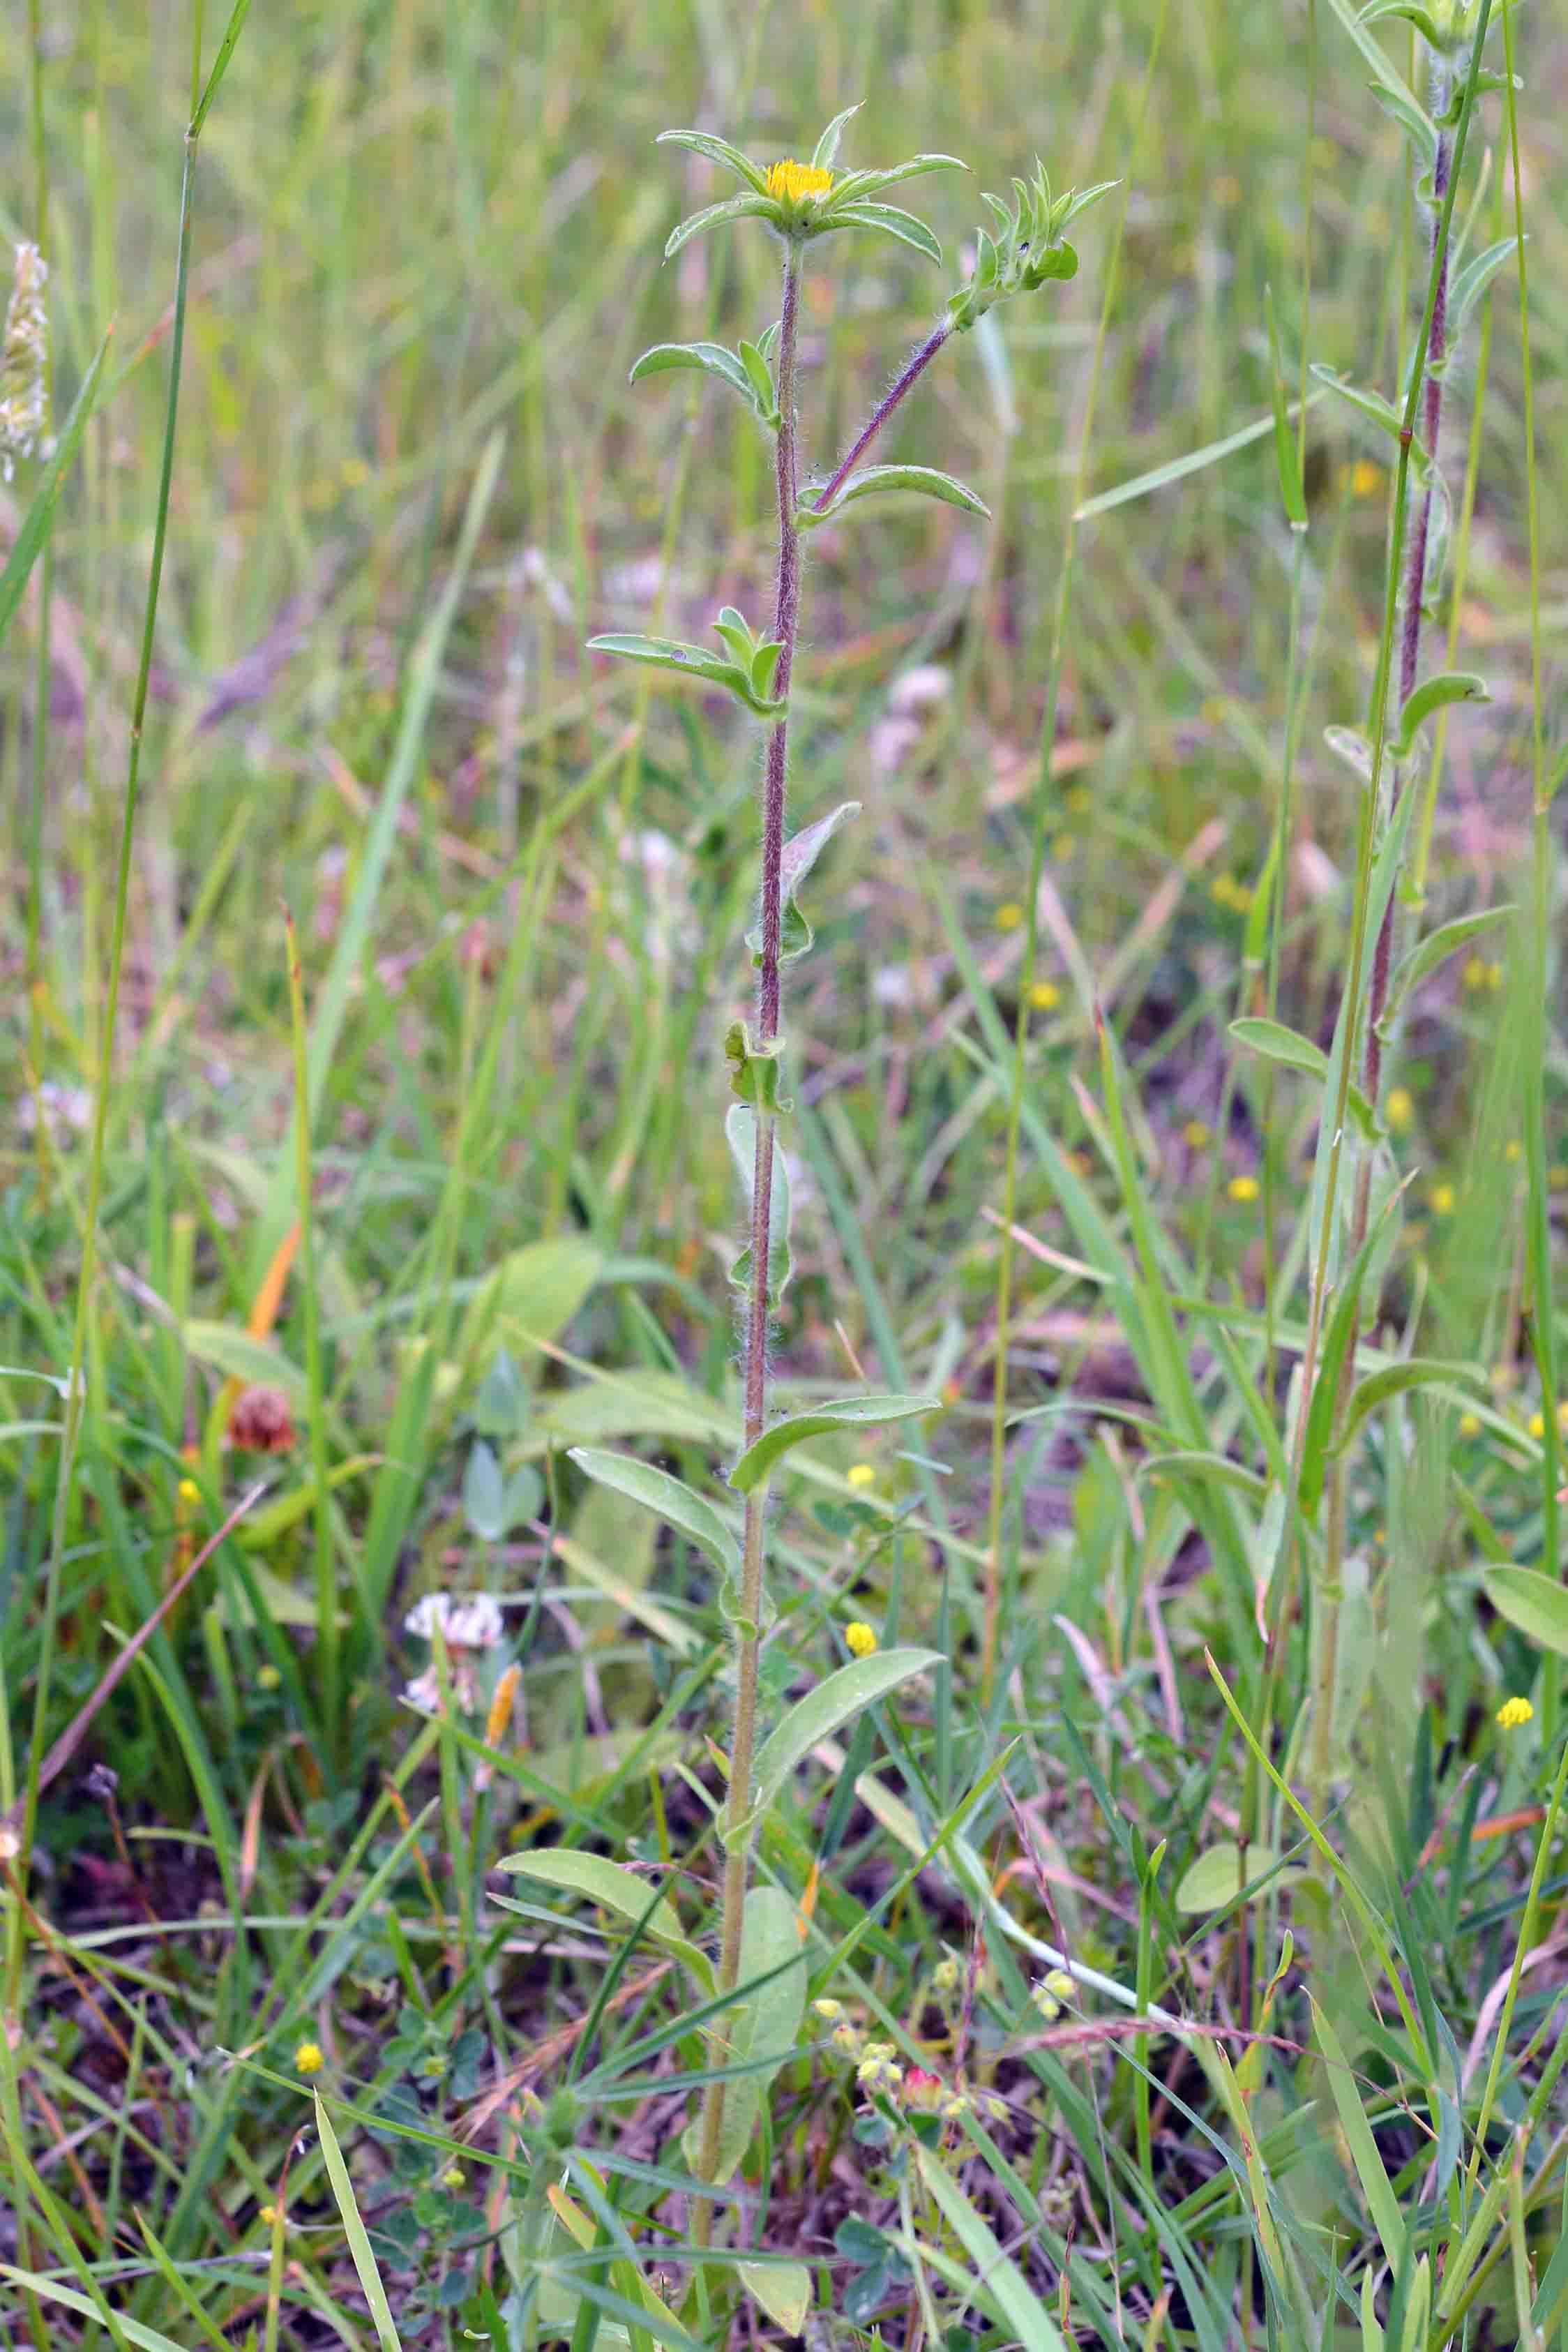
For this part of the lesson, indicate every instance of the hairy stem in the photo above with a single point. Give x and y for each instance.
(880, 415)
(748, 1642)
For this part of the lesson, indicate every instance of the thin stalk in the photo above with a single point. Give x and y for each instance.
(1539, 1234)
(880, 415)
(1039, 819)
(41, 673)
(786, 619)
(1326, 1665)
(325, 1583)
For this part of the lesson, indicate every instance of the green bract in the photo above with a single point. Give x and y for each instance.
(807, 200)
(1027, 249)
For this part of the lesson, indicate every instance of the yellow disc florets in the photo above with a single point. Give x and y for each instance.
(1515, 1712)
(790, 183)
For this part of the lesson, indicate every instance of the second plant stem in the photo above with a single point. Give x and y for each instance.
(786, 616)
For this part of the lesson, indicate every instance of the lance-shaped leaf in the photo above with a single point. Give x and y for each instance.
(854, 186)
(691, 661)
(875, 481)
(1436, 694)
(891, 221)
(1278, 1043)
(1417, 124)
(718, 151)
(1373, 405)
(670, 1500)
(1287, 447)
(1471, 282)
(820, 1713)
(40, 515)
(1537, 1604)
(713, 359)
(760, 374)
(801, 851)
(613, 1889)
(1422, 18)
(755, 1070)
(757, 1464)
(715, 215)
(1350, 746)
(1434, 949)
(1393, 1380)
(827, 146)
(740, 1131)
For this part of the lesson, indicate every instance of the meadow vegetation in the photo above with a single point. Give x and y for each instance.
(705, 1643)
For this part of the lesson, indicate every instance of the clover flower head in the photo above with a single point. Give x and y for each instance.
(1050, 1993)
(1514, 1714)
(862, 1475)
(1243, 1188)
(830, 2009)
(308, 2059)
(944, 1976)
(860, 1640)
(877, 2070)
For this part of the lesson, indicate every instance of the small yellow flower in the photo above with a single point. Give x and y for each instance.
(1078, 800)
(1009, 915)
(1513, 1149)
(1062, 847)
(1195, 1136)
(790, 183)
(1366, 479)
(1494, 977)
(1537, 1425)
(308, 2059)
(267, 1678)
(1474, 974)
(1470, 1424)
(1440, 1199)
(189, 1491)
(1243, 1188)
(858, 1639)
(831, 2010)
(862, 1475)
(1514, 1714)
(1050, 1992)
(1045, 996)
(271, 2217)
(454, 2179)
(1401, 1108)
(945, 1974)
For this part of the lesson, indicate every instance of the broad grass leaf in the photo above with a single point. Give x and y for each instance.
(998, 2282)
(364, 2261)
(1375, 2186)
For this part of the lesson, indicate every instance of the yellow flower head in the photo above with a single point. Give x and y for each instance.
(1513, 1149)
(189, 1491)
(454, 2178)
(1045, 996)
(308, 2059)
(1401, 1108)
(1515, 1712)
(1474, 974)
(1470, 1424)
(1441, 1200)
(271, 2217)
(1195, 1136)
(790, 183)
(1243, 1188)
(1009, 915)
(858, 1639)
(861, 1475)
(1366, 479)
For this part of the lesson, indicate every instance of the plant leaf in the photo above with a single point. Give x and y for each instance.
(1425, 958)
(1417, 124)
(766, 2023)
(757, 1464)
(711, 359)
(1535, 1604)
(485, 1493)
(801, 851)
(1471, 282)
(1371, 404)
(891, 221)
(669, 1498)
(765, 394)
(1278, 1043)
(355, 2229)
(855, 186)
(718, 151)
(692, 661)
(827, 146)
(755, 1070)
(613, 1889)
(1375, 2186)
(1215, 1877)
(819, 1715)
(1435, 694)
(1287, 449)
(998, 2282)
(872, 481)
(783, 2290)
(715, 215)
(1392, 1380)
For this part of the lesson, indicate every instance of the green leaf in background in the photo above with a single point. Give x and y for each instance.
(668, 1498)
(532, 1295)
(873, 481)
(999, 2285)
(1379, 412)
(1471, 282)
(1215, 1877)
(1417, 126)
(613, 1889)
(820, 1713)
(1287, 449)
(1393, 1380)
(783, 2290)
(485, 1493)
(235, 1354)
(501, 1407)
(1278, 1043)
(765, 2024)
(1537, 1604)
(755, 1466)
(1375, 2186)
(1427, 954)
(39, 519)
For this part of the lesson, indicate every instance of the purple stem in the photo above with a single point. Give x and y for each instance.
(880, 415)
